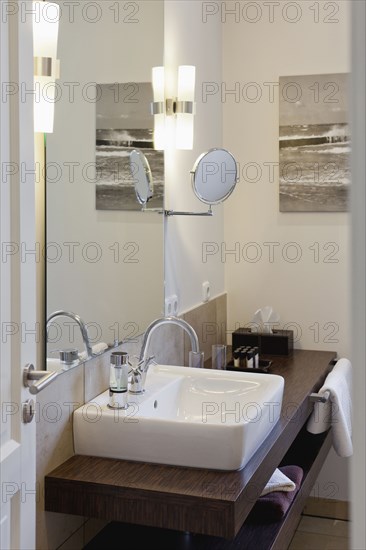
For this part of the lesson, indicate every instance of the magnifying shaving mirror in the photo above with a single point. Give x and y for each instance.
(142, 175)
(214, 177)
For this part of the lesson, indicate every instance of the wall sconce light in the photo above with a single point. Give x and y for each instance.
(46, 16)
(182, 107)
(158, 107)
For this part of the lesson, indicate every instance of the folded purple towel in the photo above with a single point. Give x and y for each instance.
(273, 506)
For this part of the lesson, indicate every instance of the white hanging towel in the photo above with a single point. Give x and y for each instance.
(336, 412)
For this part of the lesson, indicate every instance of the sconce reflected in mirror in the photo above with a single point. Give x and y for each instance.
(46, 66)
(142, 177)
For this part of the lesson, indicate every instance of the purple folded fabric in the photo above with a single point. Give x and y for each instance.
(274, 506)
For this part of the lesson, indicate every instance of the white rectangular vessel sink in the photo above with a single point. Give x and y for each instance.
(187, 417)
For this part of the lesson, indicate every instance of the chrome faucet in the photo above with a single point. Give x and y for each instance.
(79, 321)
(138, 378)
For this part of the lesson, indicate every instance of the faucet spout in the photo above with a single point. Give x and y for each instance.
(139, 373)
(168, 321)
(79, 321)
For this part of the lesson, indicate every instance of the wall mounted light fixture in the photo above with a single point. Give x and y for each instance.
(46, 16)
(158, 107)
(182, 107)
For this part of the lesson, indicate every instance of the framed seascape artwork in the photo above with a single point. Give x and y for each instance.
(314, 143)
(124, 123)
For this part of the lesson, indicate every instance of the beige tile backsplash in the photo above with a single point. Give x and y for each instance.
(81, 384)
(209, 321)
(96, 377)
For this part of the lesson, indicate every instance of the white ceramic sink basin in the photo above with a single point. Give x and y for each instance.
(187, 417)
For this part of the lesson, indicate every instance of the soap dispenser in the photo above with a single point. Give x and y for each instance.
(118, 380)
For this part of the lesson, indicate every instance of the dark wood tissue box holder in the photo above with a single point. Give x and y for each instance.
(280, 342)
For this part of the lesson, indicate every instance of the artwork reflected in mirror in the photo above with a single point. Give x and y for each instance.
(314, 143)
(124, 123)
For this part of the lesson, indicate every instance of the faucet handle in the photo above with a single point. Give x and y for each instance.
(150, 361)
(139, 372)
(144, 363)
(135, 364)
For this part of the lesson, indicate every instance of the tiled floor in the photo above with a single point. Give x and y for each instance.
(315, 533)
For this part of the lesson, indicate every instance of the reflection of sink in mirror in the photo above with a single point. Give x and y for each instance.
(54, 365)
(187, 417)
(70, 357)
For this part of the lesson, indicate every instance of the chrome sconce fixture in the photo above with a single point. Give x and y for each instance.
(182, 107)
(46, 16)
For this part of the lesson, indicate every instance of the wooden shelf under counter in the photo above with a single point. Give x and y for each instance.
(212, 504)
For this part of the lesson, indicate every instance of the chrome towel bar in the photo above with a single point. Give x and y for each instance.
(322, 398)
(319, 398)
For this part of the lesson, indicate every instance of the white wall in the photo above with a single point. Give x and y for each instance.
(123, 293)
(306, 292)
(188, 41)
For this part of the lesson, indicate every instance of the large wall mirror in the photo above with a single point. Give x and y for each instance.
(105, 262)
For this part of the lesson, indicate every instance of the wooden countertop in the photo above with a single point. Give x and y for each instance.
(186, 499)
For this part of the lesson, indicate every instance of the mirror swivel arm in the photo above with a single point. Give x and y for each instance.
(177, 213)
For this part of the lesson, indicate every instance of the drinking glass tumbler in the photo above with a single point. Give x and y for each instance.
(196, 359)
(219, 356)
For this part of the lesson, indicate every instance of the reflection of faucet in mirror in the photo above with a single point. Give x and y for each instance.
(139, 372)
(79, 321)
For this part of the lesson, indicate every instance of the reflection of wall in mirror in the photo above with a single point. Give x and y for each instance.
(124, 123)
(105, 266)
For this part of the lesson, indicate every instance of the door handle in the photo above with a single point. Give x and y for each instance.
(37, 380)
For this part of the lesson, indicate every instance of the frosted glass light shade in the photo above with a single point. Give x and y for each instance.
(46, 18)
(185, 121)
(158, 82)
(184, 131)
(44, 104)
(186, 82)
(159, 132)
